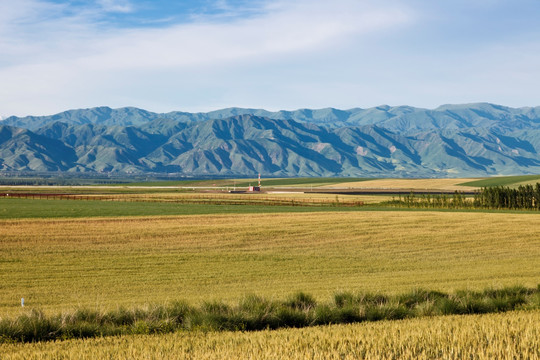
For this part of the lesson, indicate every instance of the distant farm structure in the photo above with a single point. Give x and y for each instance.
(256, 188)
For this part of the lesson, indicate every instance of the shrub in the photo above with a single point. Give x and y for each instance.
(301, 301)
(372, 299)
(290, 317)
(420, 296)
(178, 311)
(343, 299)
(351, 314)
(325, 314)
(449, 306)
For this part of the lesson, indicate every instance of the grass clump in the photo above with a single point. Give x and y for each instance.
(256, 313)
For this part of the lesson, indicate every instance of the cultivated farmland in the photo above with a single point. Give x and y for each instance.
(65, 263)
(139, 248)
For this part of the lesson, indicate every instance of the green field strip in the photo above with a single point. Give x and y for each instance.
(34, 208)
(502, 181)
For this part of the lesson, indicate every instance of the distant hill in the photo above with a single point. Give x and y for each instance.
(452, 140)
(399, 118)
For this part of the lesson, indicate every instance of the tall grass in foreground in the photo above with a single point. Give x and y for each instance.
(510, 335)
(256, 313)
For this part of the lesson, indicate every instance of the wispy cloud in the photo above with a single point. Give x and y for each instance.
(121, 6)
(284, 31)
(281, 29)
(45, 48)
(226, 9)
(273, 54)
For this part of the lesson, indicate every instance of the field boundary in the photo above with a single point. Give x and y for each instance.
(192, 199)
(254, 313)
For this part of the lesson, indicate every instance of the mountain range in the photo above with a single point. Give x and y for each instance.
(449, 141)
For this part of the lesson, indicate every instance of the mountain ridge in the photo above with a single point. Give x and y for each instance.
(452, 140)
(398, 118)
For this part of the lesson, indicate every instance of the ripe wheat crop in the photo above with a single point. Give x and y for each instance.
(63, 264)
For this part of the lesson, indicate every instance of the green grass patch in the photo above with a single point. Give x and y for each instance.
(257, 313)
(93, 190)
(40, 208)
(35, 208)
(501, 181)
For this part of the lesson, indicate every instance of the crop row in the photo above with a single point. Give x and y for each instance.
(193, 199)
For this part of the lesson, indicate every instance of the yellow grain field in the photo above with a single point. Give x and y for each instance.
(418, 184)
(98, 263)
(497, 336)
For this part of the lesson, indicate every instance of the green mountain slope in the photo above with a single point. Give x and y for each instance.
(23, 149)
(452, 140)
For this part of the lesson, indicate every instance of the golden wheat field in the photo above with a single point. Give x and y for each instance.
(63, 264)
(514, 335)
(419, 184)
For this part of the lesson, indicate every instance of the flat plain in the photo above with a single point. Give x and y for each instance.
(104, 262)
(63, 255)
(133, 205)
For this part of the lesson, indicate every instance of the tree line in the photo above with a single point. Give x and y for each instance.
(524, 197)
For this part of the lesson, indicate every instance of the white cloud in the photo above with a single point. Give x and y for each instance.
(284, 29)
(297, 30)
(51, 61)
(274, 54)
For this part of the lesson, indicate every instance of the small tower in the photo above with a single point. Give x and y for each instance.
(255, 188)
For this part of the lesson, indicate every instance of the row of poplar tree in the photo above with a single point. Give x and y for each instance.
(526, 197)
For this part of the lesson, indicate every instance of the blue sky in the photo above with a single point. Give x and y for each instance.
(204, 55)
